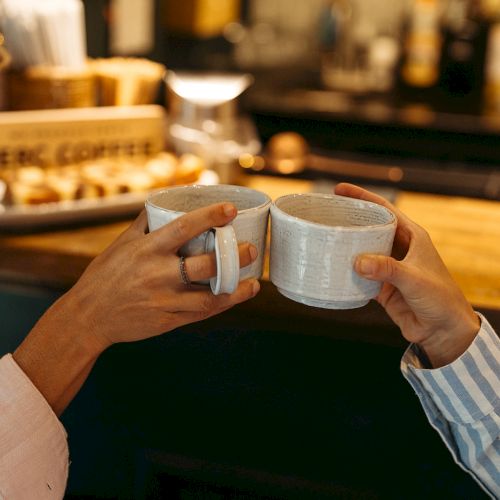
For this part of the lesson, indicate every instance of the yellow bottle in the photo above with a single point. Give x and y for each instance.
(422, 45)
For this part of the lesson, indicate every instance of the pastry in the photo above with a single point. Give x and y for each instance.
(28, 185)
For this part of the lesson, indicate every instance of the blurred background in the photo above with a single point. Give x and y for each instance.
(102, 101)
(406, 94)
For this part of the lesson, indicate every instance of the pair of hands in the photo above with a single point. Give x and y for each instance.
(134, 290)
(137, 281)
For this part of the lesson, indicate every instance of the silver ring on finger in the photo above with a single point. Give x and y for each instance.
(183, 273)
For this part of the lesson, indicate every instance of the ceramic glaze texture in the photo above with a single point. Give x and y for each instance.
(249, 225)
(315, 239)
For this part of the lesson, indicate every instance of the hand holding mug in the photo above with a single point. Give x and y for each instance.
(249, 225)
(419, 293)
(138, 280)
(132, 291)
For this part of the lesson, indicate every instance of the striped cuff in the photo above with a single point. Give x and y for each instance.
(467, 389)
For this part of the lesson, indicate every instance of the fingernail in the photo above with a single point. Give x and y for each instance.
(253, 252)
(255, 287)
(229, 209)
(366, 265)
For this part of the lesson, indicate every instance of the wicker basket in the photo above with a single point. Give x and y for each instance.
(45, 87)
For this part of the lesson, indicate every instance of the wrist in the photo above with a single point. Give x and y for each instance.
(446, 345)
(77, 314)
(58, 353)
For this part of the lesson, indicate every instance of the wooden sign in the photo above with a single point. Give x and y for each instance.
(67, 136)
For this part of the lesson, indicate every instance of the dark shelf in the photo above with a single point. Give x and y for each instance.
(438, 145)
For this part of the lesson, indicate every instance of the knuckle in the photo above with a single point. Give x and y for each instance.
(390, 268)
(427, 237)
(140, 223)
(216, 213)
(181, 228)
(420, 232)
(219, 210)
(137, 251)
(203, 266)
(199, 315)
(207, 304)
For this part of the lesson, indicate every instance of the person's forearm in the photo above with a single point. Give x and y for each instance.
(461, 403)
(58, 354)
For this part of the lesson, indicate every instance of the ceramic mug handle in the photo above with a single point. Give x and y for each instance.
(222, 241)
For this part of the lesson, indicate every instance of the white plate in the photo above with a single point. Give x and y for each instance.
(67, 212)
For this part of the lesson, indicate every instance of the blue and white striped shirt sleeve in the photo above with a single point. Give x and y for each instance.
(462, 402)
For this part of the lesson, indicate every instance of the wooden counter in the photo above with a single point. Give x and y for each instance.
(465, 231)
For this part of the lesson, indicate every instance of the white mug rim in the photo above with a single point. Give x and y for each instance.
(227, 187)
(301, 220)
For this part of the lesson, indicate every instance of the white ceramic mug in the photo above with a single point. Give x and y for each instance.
(315, 239)
(249, 225)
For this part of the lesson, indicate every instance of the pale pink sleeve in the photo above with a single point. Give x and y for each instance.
(33, 442)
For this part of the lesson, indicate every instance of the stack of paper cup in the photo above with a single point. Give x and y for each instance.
(126, 81)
